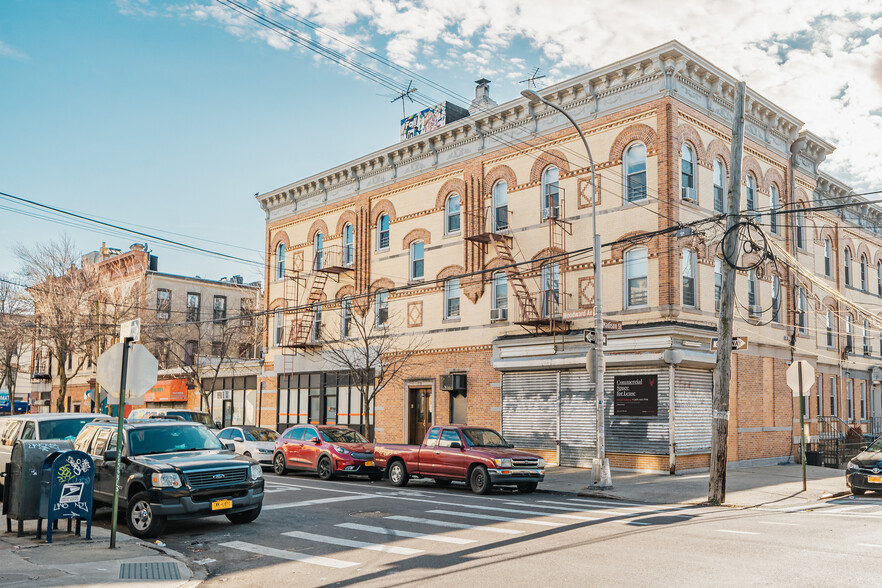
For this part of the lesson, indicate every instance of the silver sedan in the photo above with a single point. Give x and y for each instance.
(254, 442)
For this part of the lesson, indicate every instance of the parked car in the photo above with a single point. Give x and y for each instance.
(475, 455)
(194, 416)
(171, 470)
(327, 450)
(50, 426)
(256, 442)
(864, 472)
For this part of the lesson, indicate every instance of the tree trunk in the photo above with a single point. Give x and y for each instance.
(368, 426)
(62, 387)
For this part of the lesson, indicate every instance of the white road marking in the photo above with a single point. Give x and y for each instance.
(517, 511)
(868, 545)
(352, 543)
(737, 532)
(452, 525)
(803, 507)
(316, 501)
(616, 505)
(484, 517)
(618, 512)
(847, 508)
(397, 533)
(327, 562)
(777, 523)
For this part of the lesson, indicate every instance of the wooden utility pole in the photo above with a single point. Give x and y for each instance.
(716, 490)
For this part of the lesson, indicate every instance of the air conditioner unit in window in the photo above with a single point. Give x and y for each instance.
(498, 314)
(690, 194)
(754, 311)
(451, 382)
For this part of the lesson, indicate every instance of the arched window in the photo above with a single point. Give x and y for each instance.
(828, 260)
(687, 173)
(688, 270)
(849, 334)
(278, 327)
(636, 277)
(280, 261)
(830, 327)
(451, 214)
(500, 291)
(550, 280)
(800, 228)
(774, 205)
(550, 192)
(750, 201)
(500, 205)
(417, 258)
(635, 172)
(317, 249)
(719, 186)
(847, 267)
(864, 270)
(776, 298)
(348, 246)
(345, 316)
(451, 298)
(383, 232)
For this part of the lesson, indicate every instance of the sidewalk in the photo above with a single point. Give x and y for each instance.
(745, 487)
(72, 561)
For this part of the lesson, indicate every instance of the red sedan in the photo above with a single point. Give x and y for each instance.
(325, 449)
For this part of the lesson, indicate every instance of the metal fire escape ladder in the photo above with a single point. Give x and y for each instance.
(305, 318)
(502, 247)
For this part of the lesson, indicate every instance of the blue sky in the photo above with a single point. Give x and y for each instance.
(173, 115)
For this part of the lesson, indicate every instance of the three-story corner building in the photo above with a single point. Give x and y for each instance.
(475, 237)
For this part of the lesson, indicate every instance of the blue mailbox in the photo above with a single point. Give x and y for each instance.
(66, 491)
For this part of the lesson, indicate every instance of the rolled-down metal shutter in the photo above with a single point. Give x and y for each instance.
(578, 435)
(693, 392)
(529, 409)
(642, 434)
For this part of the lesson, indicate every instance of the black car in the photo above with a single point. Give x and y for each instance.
(864, 472)
(171, 470)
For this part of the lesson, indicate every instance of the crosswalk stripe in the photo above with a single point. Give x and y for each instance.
(847, 508)
(316, 501)
(485, 517)
(737, 532)
(616, 505)
(520, 511)
(868, 545)
(327, 562)
(352, 543)
(438, 523)
(616, 512)
(409, 534)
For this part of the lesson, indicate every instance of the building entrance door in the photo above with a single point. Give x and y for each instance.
(228, 413)
(419, 415)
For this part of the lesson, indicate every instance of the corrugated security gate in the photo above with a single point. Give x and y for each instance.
(643, 434)
(693, 392)
(578, 438)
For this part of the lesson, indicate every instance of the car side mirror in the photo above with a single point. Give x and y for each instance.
(455, 445)
(865, 447)
(217, 424)
(315, 441)
(110, 455)
(229, 445)
(239, 439)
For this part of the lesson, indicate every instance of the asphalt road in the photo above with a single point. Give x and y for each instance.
(354, 532)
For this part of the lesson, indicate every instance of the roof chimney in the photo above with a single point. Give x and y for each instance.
(482, 99)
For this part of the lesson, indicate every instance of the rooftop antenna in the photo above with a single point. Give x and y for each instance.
(531, 81)
(405, 94)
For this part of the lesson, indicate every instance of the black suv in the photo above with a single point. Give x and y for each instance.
(171, 470)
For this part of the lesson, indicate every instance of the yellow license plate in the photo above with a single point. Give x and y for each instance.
(221, 504)
(369, 463)
(874, 479)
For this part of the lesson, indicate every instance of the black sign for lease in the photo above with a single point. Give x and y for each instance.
(636, 395)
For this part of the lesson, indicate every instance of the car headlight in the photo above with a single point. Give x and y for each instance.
(541, 463)
(852, 466)
(265, 450)
(256, 471)
(166, 480)
(505, 462)
(340, 450)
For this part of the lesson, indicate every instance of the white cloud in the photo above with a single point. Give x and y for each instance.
(11, 52)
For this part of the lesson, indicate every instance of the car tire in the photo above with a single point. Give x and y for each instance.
(442, 482)
(398, 474)
(325, 468)
(375, 477)
(247, 516)
(858, 491)
(527, 487)
(279, 466)
(479, 480)
(141, 520)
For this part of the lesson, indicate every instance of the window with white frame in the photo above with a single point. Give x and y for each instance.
(849, 396)
(278, 325)
(752, 290)
(864, 272)
(550, 192)
(280, 261)
(500, 290)
(345, 316)
(833, 394)
(383, 232)
(500, 205)
(750, 200)
(451, 298)
(776, 299)
(635, 172)
(719, 185)
(828, 259)
(550, 280)
(636, 277)
(819, 395)
(317, 323)
(451, 214)
(800, 228)
(688, 269)
(830, 327)
(317, 251)
(879, 278)
(849, 334)
(687, 173)
(847, 266)
(774, 205)
(219, 310)
(381, 308)
(194, 302)
(417, 258)
(163, 303)
(348, 245)
(801, 310)
(863, 413)
(868, 347)
(718, 282)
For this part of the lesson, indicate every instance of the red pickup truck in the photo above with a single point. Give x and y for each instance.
(475, 455)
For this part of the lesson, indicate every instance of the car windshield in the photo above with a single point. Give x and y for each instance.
(876, 445)
(171, 438)
(341, 436)
(260, 434)
(197, 417)
(65, 429)
(483, 438)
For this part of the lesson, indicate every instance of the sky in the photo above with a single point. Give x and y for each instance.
(168, 117)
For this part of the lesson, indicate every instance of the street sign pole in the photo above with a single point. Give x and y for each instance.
(121, 410)
(802, 424)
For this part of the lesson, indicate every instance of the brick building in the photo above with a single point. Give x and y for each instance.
(474, 236)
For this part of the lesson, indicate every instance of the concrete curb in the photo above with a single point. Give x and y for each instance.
(197, 572)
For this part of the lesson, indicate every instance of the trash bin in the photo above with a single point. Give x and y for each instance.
(66, 486)
(813, 458)
(21, 500)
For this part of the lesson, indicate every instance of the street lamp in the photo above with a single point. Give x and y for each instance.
(602, 477)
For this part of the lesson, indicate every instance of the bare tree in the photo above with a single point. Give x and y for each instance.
(16, 322)
(63, 291)
(375, 353)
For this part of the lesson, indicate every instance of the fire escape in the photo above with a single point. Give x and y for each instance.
(540, 310)
(304, 326)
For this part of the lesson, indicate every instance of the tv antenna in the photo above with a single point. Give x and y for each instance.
(405, 94)
(531, 81)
